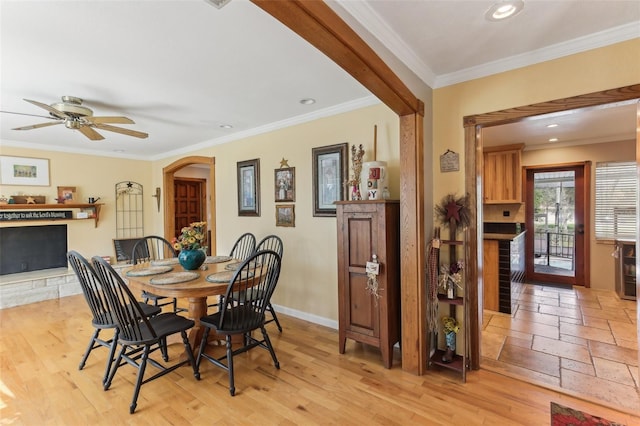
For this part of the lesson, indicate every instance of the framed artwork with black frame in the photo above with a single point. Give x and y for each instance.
(329, 175)
(249, 187)
(285, 184)
(286, 215)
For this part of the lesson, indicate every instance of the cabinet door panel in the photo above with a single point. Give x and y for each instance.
(360, 240)
(362, 313)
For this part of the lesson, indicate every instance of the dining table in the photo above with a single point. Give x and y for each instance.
(166, 277)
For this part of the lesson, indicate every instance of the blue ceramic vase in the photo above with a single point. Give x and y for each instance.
(191, 259)
(450, 338)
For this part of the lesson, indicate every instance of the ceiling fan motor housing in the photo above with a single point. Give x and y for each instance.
(72, 106)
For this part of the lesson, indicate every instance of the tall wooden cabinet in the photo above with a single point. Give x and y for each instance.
(367, 228)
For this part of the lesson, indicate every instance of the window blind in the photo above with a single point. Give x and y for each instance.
(615, 204)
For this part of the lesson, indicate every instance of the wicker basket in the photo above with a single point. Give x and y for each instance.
(22, 199)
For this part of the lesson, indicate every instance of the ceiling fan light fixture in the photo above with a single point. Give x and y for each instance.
(503, 10)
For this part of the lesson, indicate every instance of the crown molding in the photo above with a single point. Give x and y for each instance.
(377, 26)
(270, 127)
(577, 45)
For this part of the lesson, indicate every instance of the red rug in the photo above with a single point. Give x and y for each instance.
(565, 416)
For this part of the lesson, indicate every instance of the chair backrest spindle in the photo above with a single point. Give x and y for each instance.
(132, 322)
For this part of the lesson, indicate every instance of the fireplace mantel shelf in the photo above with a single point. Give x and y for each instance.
(94, 206)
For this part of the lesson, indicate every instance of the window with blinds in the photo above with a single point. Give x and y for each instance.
(616, 197)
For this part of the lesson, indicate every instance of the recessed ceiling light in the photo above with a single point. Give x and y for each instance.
(307, 101)
(226, 126)
(551, 126)
(503, 10)
(118, 150)
(553, 140)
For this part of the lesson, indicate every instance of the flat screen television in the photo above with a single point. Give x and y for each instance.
(32, 248)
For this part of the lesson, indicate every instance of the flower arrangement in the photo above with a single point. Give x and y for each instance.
(191, 237)
(451, 275)
(450, 325)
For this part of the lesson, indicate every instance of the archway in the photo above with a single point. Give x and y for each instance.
(168, 183)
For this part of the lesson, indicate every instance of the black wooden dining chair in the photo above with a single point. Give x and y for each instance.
(152, 248)
(254, 282)
(102, 318)
(244, 246)
(140, 336)
(272, 242)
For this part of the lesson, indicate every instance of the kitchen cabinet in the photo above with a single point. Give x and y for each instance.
(491, 275)
(365, 314)
(502, 180)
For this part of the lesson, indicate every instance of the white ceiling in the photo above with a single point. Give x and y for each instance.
(180, 69)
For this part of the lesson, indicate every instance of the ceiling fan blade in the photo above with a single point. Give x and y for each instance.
(37, 126)
(90, 133)
(118, 120)
(52, 110)
(127, 132)
(31, 115)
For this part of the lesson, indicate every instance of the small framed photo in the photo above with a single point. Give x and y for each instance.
(67, 195)
(249, 188)
(329, 175)
(285, 184)
(286, 215)
(24, 171)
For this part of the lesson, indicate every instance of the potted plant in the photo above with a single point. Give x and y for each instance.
(190, 245)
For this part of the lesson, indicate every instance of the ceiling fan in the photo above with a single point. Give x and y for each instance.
(75, 116)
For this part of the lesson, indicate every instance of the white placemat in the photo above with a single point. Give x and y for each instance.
(149, 270)
(223, 277)
(217, 259)
(235, 265)
(167, 261)
(175, 277)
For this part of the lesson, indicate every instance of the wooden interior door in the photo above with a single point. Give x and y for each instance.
(190, 201)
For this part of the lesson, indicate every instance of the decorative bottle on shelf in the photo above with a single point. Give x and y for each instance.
(451, 294)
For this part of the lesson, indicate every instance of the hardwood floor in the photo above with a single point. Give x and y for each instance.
(40, 384)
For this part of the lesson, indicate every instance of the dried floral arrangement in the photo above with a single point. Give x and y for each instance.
(453, 208)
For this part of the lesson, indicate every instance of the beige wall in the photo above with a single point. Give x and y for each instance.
(602, 263)
(599, 69)
(308, 282)
(92, 176)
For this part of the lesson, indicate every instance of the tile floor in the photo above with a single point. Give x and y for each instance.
(579, 340)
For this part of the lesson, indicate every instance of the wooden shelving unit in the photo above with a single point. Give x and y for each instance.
(460, 362)
(95, 208)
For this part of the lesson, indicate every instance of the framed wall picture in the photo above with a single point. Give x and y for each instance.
(249, 188)
(285, 184)
(67, 195)
(285, 215)
(24, 171)
(329, 175)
